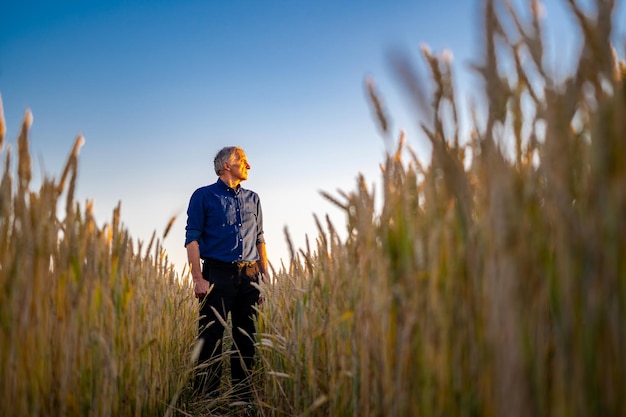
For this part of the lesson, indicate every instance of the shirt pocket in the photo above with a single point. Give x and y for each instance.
(249, 218)
(222, 213)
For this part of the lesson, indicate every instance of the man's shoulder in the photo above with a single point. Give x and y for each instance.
(204, 190)
(208, 187)
(249, 192)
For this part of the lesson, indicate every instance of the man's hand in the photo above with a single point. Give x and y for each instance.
(261, 278)
(201, 287)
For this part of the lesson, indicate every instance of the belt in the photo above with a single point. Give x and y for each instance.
(248, 268)
(233, 264)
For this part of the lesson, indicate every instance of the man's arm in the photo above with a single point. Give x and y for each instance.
(201, 286)
(262, 261)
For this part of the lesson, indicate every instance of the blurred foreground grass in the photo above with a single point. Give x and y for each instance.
(493, 281)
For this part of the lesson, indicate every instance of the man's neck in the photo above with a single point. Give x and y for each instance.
(231, 182)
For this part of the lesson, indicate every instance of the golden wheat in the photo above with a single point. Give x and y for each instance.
(492, 282)
(89, 326)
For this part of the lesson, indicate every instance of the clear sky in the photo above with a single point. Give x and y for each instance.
(157, 87)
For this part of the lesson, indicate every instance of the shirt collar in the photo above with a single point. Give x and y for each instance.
(225, 186)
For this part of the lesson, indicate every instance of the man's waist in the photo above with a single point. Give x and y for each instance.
(223, 264)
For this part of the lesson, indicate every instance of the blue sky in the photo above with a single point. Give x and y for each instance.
(157, 87)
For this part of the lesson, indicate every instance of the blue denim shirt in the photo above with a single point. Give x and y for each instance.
(227, 223)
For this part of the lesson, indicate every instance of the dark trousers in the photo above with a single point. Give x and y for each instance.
(232, 293)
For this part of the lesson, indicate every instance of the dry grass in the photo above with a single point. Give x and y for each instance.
(91, 323)
(493, 281)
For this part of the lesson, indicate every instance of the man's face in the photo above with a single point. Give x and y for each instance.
(239, 166)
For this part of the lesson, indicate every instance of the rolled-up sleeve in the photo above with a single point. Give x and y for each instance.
(260, 238)
(195, 219)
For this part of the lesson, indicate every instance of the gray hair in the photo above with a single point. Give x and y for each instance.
(225, 154)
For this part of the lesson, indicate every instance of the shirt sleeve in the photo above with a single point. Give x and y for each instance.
(260, 238)
(195, 218)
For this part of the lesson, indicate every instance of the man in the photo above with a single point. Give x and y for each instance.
(225, 232)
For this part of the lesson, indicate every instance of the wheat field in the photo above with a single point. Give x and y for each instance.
(92, 323)
(493, 280)
(489, 282)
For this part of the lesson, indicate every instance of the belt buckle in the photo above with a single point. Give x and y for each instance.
(239, 265)
(245, 267)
